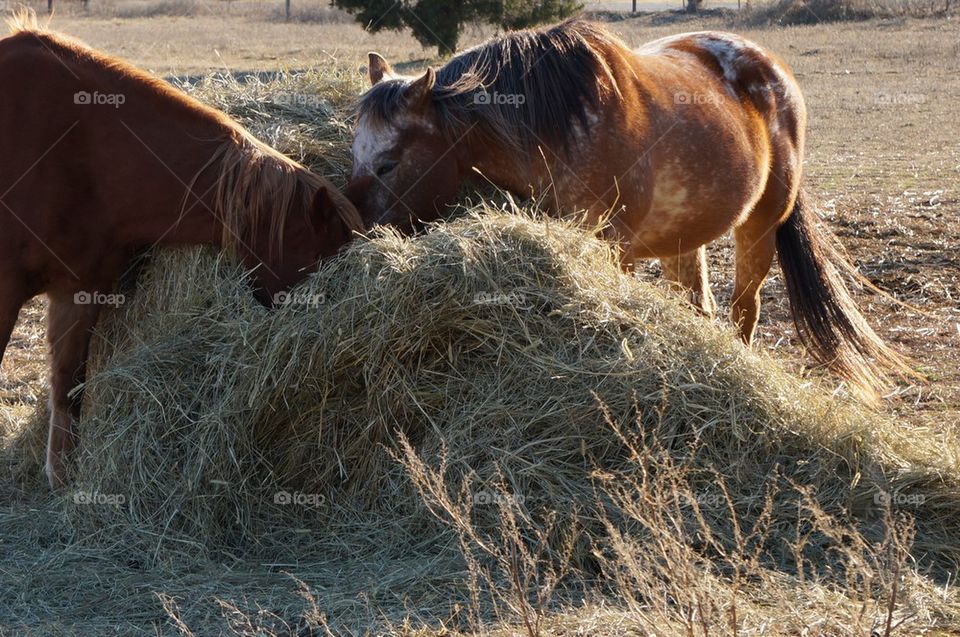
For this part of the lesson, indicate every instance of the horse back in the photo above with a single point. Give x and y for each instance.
(750, 73)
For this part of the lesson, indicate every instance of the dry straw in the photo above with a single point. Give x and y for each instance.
(485, 428)
(417, 390)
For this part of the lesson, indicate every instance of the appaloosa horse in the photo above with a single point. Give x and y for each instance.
(676, 143)
(99, 161)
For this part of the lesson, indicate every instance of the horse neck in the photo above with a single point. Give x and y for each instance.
(169, 145)
(186, 209)
(503, 167)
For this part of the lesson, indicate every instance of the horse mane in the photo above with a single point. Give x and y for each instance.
(253, 179)
(257, 185)
(24, 19)
(563, 73)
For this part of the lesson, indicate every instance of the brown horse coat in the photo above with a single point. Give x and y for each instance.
(673, 144)
(98, 161)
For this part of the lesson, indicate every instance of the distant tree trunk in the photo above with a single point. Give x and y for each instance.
(693, 5)
(635, 5)
(288, 10)
(49, 6)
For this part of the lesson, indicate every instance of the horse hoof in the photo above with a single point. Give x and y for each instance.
(54, 476)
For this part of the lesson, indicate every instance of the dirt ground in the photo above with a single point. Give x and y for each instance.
(883, 162)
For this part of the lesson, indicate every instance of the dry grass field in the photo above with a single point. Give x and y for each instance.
(882, 167)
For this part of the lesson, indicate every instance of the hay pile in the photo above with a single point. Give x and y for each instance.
(486, 428)
(302, 114)
(494, 389)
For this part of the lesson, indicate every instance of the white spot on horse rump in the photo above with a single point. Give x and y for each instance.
(729, 50)
(369, 142)
(726, 53)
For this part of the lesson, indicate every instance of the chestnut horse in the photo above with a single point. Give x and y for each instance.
(675, 144)
(101, 161)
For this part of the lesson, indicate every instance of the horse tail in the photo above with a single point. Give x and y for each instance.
(827, 319)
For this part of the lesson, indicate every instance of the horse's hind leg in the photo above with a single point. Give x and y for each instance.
(756, 245)
(68, 332)
(756, 241)
(690, 275)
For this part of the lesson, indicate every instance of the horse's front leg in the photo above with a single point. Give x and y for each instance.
(12, 298)
(69, 321)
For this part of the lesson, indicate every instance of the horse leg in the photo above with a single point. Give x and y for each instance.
(756, 238)
(689, 273)
(755, 248)
(12, 299)
(68, 332)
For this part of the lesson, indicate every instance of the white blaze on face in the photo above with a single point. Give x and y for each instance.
(369, 143)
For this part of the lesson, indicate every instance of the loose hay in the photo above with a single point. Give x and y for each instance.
(486, 428)
(301, 114)
(490, 407)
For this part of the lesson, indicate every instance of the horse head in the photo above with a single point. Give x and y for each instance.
(405, 168)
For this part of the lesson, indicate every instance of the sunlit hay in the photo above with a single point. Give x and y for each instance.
(487, 428)
(504, 349)
(300, 113)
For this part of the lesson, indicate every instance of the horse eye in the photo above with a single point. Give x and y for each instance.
(386, 167)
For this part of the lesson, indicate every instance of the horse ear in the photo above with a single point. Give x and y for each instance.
(420, 91)
(377, 67)
(323, 207)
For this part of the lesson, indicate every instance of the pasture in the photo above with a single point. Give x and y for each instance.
(610, 464)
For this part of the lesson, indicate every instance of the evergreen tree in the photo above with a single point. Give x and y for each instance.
(439, 23)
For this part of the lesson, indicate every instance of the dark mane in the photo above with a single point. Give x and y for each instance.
(562, 72)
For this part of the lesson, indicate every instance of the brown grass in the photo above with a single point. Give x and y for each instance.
(533, 510)
(791, 12)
